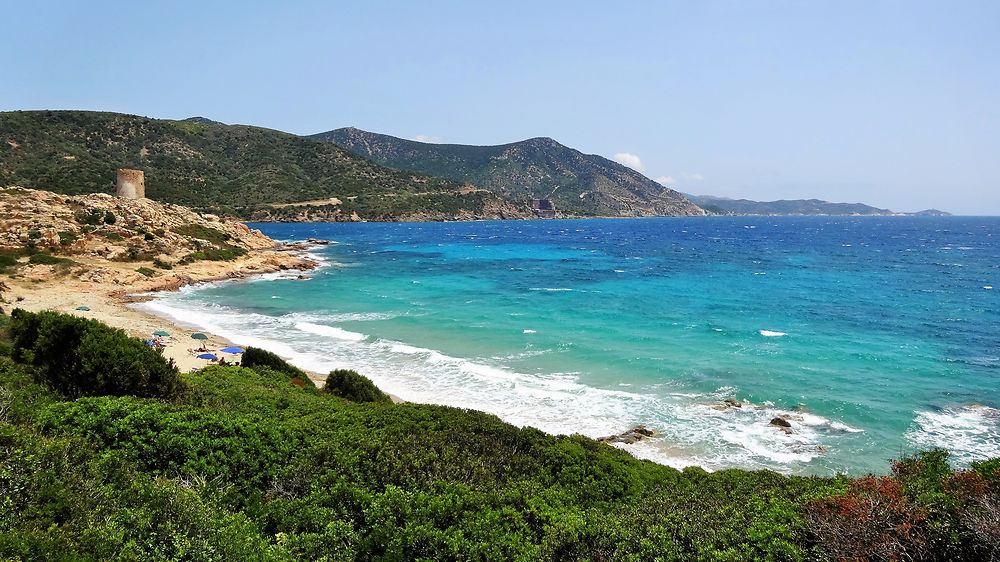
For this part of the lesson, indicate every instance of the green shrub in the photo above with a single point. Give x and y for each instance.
(43, 258)
(254, 357)
(91, 217)
(109, 217)
(83, 357)
(353, 386)
(147, 271)
(202, 233)
(162, 264)
(113, 236)
(8, 259)
(66, 238)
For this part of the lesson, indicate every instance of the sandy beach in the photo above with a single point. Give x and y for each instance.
(113, 303)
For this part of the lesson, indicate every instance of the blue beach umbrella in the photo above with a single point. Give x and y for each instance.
(232, 350)
(150, 343)
(208, 356)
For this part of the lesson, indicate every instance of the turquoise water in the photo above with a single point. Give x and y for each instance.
(874, 336)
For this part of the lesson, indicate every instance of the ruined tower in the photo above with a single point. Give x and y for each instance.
(131, 184)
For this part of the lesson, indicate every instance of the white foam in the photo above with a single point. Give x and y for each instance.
(988, 287)
(330, 331)
(970, 432)
(550, 289)
(559, 403)
(770, 334)
(528, 332)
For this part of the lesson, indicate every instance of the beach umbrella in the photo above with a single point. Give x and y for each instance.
(150, 343)
(161, 333)
(199, 336)
(83, 308)
(232, 350)
(208, 356)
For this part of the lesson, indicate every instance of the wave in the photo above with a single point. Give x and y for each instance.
(549, 289)
(691, 432)
(330, 331)
(770, 334)
(969, 432)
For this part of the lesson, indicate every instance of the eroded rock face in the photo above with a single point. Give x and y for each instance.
(108, 226)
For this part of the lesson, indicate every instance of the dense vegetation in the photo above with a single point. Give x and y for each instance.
(200, 163)
(244, 464)
(541, 168)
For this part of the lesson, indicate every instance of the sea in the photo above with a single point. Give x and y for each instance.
(874, 337)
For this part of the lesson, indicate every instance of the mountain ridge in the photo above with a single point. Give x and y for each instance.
(534, 168)
(235, 169)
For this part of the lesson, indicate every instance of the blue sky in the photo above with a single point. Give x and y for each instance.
(890, 103)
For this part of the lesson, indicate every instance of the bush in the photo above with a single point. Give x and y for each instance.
(47, 259)
(214, 254)
(353, 386)
(8, 260)
(91, 217)
(146, 271)
(113, 236)
(82, 357)
(109, 217)
(256, 358)
(202, 233)
(66, 238)
(162, 264)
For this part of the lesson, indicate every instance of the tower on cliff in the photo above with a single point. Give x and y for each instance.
(131, 184)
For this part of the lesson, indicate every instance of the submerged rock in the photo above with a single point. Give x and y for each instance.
(780, 422)
(634, 435)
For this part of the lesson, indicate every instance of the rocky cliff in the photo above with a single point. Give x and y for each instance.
(126, 241)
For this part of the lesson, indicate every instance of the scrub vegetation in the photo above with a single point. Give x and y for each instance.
(107, 452)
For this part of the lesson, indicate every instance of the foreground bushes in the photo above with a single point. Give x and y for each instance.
(923, 511)
(81, 357)
(246, 465)
(254, 358)
(352, 386)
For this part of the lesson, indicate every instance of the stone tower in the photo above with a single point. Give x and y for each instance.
(131, 184)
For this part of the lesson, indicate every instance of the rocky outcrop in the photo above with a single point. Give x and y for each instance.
(634, 435)
(104, 225)
(140, 243)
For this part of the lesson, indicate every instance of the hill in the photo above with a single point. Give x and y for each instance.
(724, 205)
(538, 168)
(139, 244)
(235, 169)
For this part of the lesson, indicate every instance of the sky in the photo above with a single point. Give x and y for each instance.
(891, 103)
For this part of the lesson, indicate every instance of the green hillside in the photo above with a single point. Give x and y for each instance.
(108, 453)
(208, 165)
(541, 168)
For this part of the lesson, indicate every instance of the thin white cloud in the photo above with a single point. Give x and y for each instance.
(695, 176)
(427, 138)
(665, 180)
(627, 159)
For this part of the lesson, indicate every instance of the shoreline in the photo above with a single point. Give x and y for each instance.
(115, 305)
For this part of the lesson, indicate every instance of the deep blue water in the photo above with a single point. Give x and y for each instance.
(874, 336)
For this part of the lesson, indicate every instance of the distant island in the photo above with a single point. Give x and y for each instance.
(727, 206)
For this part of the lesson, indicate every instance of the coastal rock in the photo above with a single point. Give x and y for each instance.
(634, 435)
(733, 403)
(780, 422)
